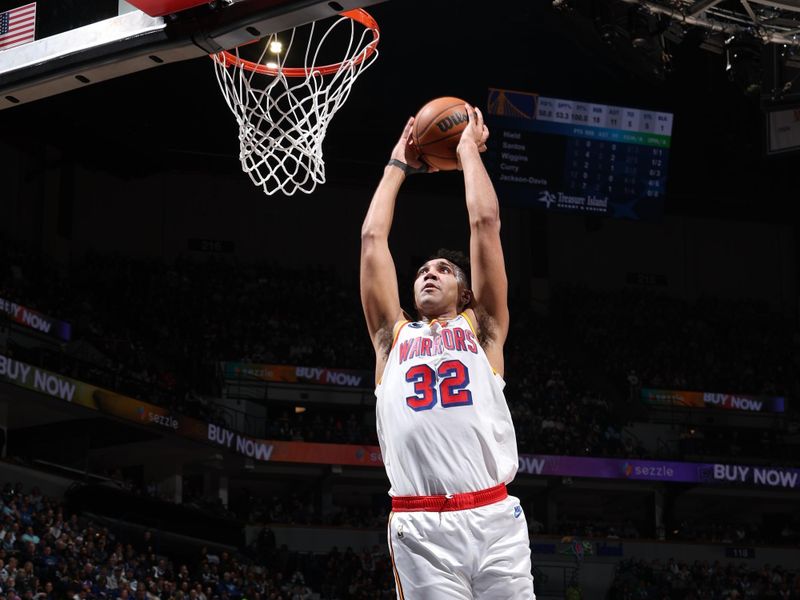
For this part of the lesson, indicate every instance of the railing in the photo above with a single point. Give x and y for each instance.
(248, 387)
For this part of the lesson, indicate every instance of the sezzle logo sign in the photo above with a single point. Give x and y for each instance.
(167, 421)
(659, 472)
(163, 420)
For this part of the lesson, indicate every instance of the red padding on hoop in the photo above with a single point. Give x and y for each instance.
(159, 8)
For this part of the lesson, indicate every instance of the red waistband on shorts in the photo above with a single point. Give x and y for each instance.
(450, 501)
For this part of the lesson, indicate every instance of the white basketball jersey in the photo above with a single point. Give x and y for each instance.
(443, 423)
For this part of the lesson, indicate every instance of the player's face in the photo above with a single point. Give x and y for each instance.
(436, 289)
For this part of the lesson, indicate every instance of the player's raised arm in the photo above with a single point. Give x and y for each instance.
(489, 282)
(379, 293)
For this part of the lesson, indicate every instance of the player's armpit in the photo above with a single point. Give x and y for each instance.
(384, 338)
(385, 341)
(490, 336)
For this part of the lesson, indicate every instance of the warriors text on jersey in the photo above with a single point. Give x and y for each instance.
(443, 423)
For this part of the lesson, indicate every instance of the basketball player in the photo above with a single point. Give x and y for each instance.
(445, 430)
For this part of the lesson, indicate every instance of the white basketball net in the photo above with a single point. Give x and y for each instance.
(282, 112)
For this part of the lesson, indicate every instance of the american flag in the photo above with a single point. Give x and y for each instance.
(18, 26)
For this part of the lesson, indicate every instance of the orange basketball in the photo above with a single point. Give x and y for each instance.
(437, 130)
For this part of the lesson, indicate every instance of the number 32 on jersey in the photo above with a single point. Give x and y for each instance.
(448, 383)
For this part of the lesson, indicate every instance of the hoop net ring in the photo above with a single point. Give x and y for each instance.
(227, 59)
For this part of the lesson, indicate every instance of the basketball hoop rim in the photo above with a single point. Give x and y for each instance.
(227, 59)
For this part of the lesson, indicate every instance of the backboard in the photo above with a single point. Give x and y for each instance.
(79, 43)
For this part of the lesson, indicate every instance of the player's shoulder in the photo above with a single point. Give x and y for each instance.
(471, 317)
(398, 327)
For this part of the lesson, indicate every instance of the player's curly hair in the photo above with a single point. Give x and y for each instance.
(460, 260)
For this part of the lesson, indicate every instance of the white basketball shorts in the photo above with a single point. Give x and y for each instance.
(472, 554)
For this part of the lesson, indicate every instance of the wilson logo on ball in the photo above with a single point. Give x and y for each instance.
(451, 121)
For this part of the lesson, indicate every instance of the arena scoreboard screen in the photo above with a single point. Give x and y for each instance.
(572, 156)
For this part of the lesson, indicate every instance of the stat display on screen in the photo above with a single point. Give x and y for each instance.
(580, 157)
